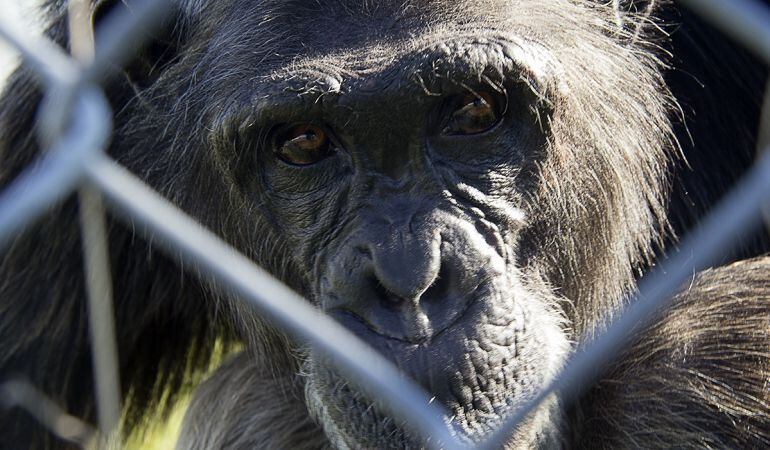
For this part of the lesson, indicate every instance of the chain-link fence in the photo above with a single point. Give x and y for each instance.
(75, 125)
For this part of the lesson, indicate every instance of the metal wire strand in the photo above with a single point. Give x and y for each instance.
(53, 177)
(21, 394)
(93, 229)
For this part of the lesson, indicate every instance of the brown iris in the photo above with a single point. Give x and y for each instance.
(303, 145)
(478, 113)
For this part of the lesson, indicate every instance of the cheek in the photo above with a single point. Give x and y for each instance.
(292, 184)
(307, 220)
(302, 203)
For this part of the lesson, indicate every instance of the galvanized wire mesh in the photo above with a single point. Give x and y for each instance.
(75, 126)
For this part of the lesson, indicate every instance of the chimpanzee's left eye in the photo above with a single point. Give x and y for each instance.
(478, 113)
(303, 145)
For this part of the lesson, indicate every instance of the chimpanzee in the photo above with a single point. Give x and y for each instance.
(472, 187)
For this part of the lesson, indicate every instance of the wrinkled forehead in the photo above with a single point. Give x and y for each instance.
(284, 38)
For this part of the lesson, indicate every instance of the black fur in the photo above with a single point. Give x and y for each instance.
(603, 187)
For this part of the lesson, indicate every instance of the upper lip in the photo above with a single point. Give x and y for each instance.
(347, 316)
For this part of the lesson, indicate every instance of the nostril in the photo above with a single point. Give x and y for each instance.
(441, 288)
(386, 298)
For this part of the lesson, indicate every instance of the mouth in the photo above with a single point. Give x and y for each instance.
(483, 366)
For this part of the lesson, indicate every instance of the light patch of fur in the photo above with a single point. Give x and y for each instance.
(699, 378)
(244, 405)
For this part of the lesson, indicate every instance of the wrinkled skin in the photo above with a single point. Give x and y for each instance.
(470, 187)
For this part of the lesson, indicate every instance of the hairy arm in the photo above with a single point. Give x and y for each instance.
(246, 406)
(698, 378)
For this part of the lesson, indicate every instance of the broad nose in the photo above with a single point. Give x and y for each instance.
(404, 285)
(404, 265)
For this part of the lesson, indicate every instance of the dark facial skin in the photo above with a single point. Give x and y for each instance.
(421, 263)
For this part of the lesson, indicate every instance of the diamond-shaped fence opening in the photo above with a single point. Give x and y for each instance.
(75, 126)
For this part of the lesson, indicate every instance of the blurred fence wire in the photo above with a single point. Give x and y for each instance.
(75, 125)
